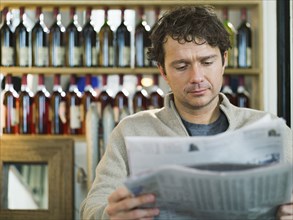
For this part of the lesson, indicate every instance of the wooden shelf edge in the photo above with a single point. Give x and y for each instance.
(77, 70)
(102, 70)
(251, 71)
(41, 137)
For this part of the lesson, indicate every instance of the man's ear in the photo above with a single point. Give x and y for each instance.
(162, 71)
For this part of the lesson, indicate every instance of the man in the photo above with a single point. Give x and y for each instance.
(190, 47)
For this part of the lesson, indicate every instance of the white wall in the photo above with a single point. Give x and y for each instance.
(270, 56)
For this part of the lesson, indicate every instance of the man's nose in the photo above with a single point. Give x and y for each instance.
(196, 74)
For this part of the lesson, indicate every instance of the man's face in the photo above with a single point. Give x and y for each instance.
(194, 74)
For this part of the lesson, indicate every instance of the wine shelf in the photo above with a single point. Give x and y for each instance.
(103, 70)
(255, 74)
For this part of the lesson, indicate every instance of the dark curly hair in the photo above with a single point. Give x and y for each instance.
(188, 24)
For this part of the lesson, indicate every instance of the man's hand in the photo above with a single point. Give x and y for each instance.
(122, 205)
(285, 212)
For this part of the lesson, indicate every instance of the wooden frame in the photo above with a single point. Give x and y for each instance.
(58, 154)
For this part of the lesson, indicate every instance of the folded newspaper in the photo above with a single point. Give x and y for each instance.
(238, 174)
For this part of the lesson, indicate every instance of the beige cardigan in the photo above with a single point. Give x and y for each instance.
(113, 168)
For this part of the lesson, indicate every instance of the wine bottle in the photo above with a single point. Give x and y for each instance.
(244, 41)
(40, 41)
(7, 42)
(42, 108)
(242, 96)
(89, 41)
(122, 39)
(121, 106)
(88, 97)
(106, 114)
(140, 97)
(58, 101)
(227, 90)
(73, 105)
(106, 44)
(57, 41)
(11, 107)
(26, 98)
(22, 41)
(142, 41)
(232, 52)
(74, 43)
(156, 96)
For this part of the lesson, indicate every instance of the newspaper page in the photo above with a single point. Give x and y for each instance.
(235, 175)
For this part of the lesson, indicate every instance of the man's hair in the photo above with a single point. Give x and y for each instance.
(198, 24)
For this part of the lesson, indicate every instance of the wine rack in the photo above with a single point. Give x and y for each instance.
(254, 7)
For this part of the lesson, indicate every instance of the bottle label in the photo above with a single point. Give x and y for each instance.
(111, 56)
(14, 117)
(75, 122)
(82, 113)
(7, 56)
(59, 56)
(42, 56)
(25, 109)
(23, 56)
(126, 56)
(62, 111)
(76, 56)
(248, 54)
(116, 114)
(94, 56)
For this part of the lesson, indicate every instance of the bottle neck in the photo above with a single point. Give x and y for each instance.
(21, 14)
(139, 78)
(24, 82)
(225, 14)
(72, 87)
(88, 14)
(57, 88)
(157, 13)
(141, 14)
(227, 89)
(24, 88)
(243, 14)
(106, 15)
(122, 15)
(9, 86)
(241, 89)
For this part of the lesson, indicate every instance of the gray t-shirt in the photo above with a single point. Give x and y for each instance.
(219, 126)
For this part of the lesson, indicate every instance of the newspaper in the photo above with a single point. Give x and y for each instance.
(238, 174)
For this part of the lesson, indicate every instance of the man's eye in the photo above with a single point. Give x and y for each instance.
(181, 67)
(207, 63)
